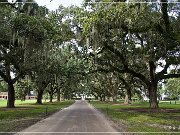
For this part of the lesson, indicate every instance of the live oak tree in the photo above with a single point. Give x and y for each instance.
(134, 40)
(21, 32)
(139, 38)
(98, 86)
(58, 62)
(11, 57)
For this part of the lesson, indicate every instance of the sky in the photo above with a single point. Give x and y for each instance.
(54, 4)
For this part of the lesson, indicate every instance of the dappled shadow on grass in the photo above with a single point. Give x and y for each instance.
(148, 110)
(30, 106)
(171, 114)
(162, 119)
(133, 104)
(22, 116)
(139, 117)
(16, 108)
(17, 125)
(174, 117)
(21, 107)
(24, 124)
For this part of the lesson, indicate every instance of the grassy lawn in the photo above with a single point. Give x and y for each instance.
(138, 118)
(26, 113)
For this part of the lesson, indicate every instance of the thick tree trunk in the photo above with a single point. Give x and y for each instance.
(128, 90)
(114, 98)
(51, 97)
(96, 97)
(128, 96)
(126, 99)
(39, 96)
(11, 96)
(104, 98)
(101, 98)
(58, 95)
(153, 102)
(62, 97)
(111, 89)
(152, 88)
(113, 95)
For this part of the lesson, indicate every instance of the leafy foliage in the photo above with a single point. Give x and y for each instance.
(172, 88)
(103, 48)
(3, 87)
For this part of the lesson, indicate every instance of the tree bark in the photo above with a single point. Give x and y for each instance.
(58, 95)
(11, 96)
(11, 91)
(62, 97)
(51, 97)
(104, 98)
(126, 99)
(101, 98)
(39, 96)
(128, 96)
(152, 88)
(153, 102)
(114, 98)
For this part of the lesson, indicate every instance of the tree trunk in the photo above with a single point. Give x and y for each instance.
(61, 97)
(126, 99)
(128, 96)
(11, 96)
(113, 94)
(101, 98)
(114, 98)
(104, 98)
(39, 96)
(58, 95)
(128, 91)
(96, 97)
(153, 102)
(51, 97)
(152, 88)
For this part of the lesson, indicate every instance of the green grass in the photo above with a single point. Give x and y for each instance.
(26, 113)
(137, 117)
(3, 103)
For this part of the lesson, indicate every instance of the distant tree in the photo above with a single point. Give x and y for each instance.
(23, 87)
(172, 88)
(3, 86)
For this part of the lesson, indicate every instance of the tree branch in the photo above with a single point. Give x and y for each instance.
(164, 71)
(169, 76)
(17, 78)
(99, 70)
(126, 68)
(138, 75)
(164, 6)
(117, 53)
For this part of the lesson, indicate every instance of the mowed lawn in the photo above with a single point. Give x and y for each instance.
(137, 117)
(26, 113)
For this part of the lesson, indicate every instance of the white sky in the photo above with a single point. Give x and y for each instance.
(54, 4)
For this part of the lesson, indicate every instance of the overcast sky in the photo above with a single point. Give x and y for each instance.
(54, 4)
